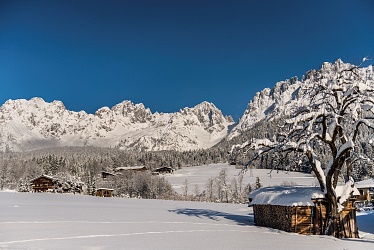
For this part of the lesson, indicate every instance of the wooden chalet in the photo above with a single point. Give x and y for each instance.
(131, 169)
(106, 175)
(163, 170)
(299, 209)
(104, 192)
(366, 189)
(44, 183)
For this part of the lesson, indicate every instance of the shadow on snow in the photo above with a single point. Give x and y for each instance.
(365, 222)
(243, 220)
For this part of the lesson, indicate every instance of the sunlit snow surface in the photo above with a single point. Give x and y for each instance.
(58, 221)
(200, 174)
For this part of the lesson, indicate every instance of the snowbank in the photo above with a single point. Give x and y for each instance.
(8, 191)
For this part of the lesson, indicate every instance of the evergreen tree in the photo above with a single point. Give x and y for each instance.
(258, 183)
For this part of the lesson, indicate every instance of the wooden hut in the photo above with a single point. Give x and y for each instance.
(298, 209)
(366, 189)
(122, 170)
(104, 192)
(163, 170)
(107, 175)
(44, 183)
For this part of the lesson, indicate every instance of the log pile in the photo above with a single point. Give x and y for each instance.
(274, 216)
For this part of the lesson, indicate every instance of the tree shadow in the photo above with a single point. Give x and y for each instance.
(365, 222)
(243, 220)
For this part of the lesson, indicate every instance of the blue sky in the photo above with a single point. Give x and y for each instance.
(172, 54)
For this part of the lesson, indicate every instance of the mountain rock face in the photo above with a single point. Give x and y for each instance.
(33, 124)
(276, 103)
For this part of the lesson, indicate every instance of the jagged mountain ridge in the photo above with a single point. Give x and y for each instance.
(271, 104)
(33, 124)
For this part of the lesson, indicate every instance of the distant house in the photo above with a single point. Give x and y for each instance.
(163, 170)
(104, 192)
(44, 183)
(366, 189)
(300, 209)
(131, 169)
(106, 175)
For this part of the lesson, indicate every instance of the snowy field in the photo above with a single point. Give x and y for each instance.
(199, 176)
(58, 221)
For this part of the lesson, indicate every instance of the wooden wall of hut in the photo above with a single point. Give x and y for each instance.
(299, 219)
(102, 192)
(306, 219)
(319, 214)
(348, 225)
(43, 184)
(302, 220)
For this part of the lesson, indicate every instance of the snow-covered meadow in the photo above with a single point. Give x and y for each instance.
(200, 174)
(59, 221)
(66, 221)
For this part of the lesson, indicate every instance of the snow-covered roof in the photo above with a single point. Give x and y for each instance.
(297, 195)
(285, 195)
(344, 192)
(45, 176)
(365, 184)
(130, 168)
(109, 189)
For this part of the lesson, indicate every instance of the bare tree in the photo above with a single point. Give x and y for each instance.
(197, 192)
(209, 186)
(234, 190)
(185, 188)
(332, 106)
(222, 186)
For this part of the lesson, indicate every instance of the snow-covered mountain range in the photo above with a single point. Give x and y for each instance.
(277, 102)
(32, 124)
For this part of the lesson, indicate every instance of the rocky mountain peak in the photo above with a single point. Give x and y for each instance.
(270, 103)
(34, 123)
(135, 112)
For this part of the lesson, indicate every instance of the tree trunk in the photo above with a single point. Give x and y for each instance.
(332, 213)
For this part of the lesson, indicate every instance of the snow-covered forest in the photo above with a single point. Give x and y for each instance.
(84, 164)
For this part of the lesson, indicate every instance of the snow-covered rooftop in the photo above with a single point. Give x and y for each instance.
(285, 195)
(298, 195)
(365, 184)
(130, 168)
(110, 189)
(45, 176)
